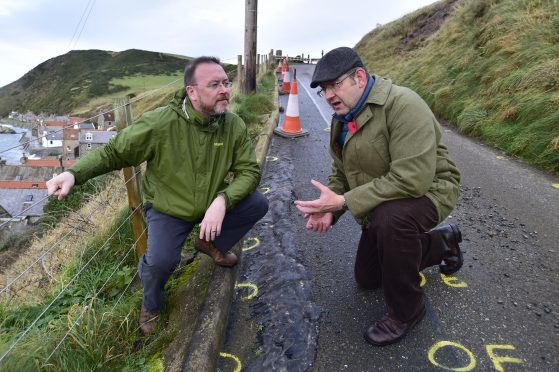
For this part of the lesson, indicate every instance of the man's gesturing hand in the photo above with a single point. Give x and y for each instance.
(320, 222)
(328, 201)
(61, 185)
(210, 227)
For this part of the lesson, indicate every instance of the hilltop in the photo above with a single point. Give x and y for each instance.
(489, 67)
(64, 83)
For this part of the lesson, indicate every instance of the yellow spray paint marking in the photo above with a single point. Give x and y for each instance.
(256, 243)
(501, 158)
(249, 285)
(423, 280)
(327, 129)
(441, 344)
(271, 158)
(453, 281)
(556, 185)
(238, 366)
(498, 360)
(265, 189)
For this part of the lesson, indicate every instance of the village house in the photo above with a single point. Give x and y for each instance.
(71, 138)
(92, 139)
(106, 120)
(52, 137)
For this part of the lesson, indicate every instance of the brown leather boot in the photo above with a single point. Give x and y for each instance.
(147, 320)
(390, 330)
(227, 259)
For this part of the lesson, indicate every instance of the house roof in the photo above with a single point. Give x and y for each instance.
(16, 201)
(23, 172)
(71, 134)
(23, 184)
(53, 123)
(48, 163)
(54, 133)
(99, 136)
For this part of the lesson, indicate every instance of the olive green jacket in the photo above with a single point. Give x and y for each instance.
(395, 153)
(188, 158)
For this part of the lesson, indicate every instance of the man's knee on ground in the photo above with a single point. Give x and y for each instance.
(260, 205)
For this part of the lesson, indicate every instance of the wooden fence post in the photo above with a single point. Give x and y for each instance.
(132, 178)
(240, 71)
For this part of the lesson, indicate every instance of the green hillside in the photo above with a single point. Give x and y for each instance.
(61, 84)
(489, 66)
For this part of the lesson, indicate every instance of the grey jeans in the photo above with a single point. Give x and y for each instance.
(167, 234)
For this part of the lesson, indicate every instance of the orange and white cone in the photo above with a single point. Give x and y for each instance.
(279, 70)
(286, 85)
(292, 124)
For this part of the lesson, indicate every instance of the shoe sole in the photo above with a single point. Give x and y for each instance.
(458, 238)
(372, 342)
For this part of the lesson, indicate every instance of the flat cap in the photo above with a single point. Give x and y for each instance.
(334, 64)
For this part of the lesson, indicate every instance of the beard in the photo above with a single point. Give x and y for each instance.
(218, 108)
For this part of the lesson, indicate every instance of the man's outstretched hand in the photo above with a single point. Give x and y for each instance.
(319, 212)
(61, 185)
(328, 201)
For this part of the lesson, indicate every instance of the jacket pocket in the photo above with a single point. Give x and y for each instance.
(373, 157)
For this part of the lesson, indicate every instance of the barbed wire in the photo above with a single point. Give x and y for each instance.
(64, 288)
(95, 295)
(135, 99)
(62, 238)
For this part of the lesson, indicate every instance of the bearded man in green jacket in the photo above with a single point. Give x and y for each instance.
(391, 171)
(190, 147)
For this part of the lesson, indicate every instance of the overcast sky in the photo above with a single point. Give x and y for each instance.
(32, 31)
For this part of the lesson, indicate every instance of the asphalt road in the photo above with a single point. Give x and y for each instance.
(298, 308)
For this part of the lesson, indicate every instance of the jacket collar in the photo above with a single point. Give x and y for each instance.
(381, 90)
(183, 107)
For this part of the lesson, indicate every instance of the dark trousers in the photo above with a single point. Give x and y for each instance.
(167, 234)
(394, 248)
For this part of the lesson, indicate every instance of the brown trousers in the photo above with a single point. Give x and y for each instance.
(394, 248)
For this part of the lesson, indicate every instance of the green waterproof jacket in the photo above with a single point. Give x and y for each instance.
(395, 153)
(188, 154)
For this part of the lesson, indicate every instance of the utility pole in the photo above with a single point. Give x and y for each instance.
(251, 7)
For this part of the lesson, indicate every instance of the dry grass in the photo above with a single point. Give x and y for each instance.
(94, 218)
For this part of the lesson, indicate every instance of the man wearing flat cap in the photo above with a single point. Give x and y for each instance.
(393, 174)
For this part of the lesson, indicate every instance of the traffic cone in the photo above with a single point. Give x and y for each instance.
(292, 125)
(279, 70)
(286, 85)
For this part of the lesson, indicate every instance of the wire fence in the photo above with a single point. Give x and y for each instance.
(97, 294)
(68, 233)
(64, 289)
(73, 231)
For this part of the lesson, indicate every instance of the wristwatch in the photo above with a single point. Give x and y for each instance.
(344, 206)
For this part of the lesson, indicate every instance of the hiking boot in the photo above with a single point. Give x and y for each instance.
(227, 259)
(148, 320)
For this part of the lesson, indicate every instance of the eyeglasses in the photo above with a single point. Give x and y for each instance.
(215, 84)
(335, 85)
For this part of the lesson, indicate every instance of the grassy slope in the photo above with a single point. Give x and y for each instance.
(492, 68)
